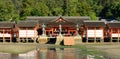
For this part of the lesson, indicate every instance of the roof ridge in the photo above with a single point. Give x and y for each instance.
(113, 22)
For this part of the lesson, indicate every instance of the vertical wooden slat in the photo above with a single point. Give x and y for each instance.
(118, 34)
(18, 35)
(11, 35)
(111, 34)
(26, 35)
(3, 36)
(34, 35)
(52, 31)
(95, 35)
(102, 35)
(87, 35)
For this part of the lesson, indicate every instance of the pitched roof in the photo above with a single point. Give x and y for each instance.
(51, 24)
(48, 19)
(42, 19)
(61, 21)
(7, 24)
(94, 23)
(27, 23)
(77, 19)
(114, 24)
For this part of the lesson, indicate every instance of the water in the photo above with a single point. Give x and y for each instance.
(49, 53)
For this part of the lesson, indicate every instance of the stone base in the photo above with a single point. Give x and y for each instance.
(42, 39)
(69, 40)
(59, 39)
(78, 39)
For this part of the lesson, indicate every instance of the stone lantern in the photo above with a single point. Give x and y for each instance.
(59, 37)
(77, 38)
(43, 38)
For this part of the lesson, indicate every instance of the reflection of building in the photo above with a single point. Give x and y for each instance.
(69, 53)
(51, 54)
(42, 53)
(45, 53)
(59, 53)
(14, 56)
(29, 55)
(5, 56)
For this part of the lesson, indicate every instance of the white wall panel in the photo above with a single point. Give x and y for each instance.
(5, 35)
(27, 33)
(94, 33)
(115, 35)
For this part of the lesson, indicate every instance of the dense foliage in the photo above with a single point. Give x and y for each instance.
(19, 9)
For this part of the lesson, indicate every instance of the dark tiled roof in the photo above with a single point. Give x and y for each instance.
(46, 19)
(68, 24)
(7, 24)
(94, 23)
(114, 24)
(63, 22)
(27, 23)
(77, 19)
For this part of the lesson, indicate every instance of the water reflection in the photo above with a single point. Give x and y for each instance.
(47, 53)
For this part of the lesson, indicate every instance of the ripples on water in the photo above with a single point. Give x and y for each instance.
(48, 53)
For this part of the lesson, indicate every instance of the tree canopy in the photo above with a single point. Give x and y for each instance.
(19, 9)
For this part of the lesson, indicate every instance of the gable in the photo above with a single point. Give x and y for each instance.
(60, 20)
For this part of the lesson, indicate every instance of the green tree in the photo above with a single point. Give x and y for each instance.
(72, 8)
(40, 9)
(7, 11)
(111, 11)
(19, 9)
(85, 9)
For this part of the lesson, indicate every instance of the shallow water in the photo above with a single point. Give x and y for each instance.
(49, 53)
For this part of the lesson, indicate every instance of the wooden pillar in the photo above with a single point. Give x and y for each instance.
(11, 35)
(87, 35)
(26, 35)
(95, 35)
(34, 36)
(52, 31)
(102, 35)
(34, 39)
(111, 34)
(18, 36)
(69, 32)
(118, 35)
(3, 36)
